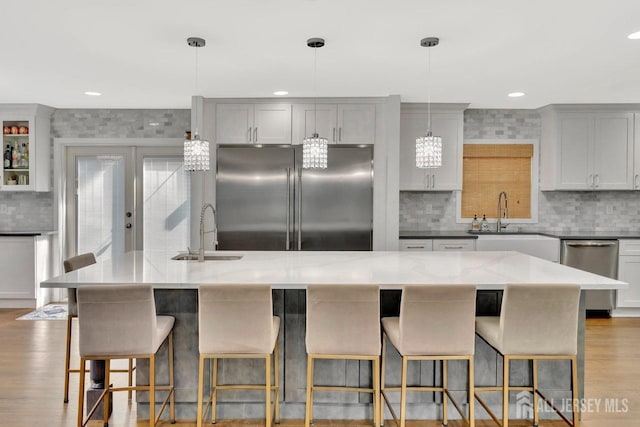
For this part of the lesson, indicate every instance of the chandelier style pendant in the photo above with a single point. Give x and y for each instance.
(314, 147)
(429, 147)
(196, 150)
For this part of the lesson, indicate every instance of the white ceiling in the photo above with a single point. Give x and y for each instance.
(135, 52)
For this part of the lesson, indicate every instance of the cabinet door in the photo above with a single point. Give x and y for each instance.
(356, 123)
(412, 178)
(420, 245)
(629, 271)
(17, 263)
(304, 122)
(272, 124)
(613, 160)
(575, 151)
(449, 175)
(234, 123)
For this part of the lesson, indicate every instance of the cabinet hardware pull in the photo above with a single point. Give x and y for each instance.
(635, 180)
(334, 134)
(590, 180)
(454, 247)
(339, 134)
(415, 247)
(433, 181)
(249, 134)
(300, 209)
(255, 134)
(596, 180)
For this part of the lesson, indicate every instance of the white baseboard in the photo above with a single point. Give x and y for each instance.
(626, 312)
(18, 303)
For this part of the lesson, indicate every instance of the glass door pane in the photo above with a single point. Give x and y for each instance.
(100, 217)
(165, 204)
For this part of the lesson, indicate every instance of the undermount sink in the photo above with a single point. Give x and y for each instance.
(194, 257)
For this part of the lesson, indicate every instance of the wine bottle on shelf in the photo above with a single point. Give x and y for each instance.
(24, 156)
(7, 157)
(15, 156)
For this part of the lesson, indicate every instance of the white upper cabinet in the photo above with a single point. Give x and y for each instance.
(26, 147)
(447, 125)
(356, 124)
(339, 123)
(253, 123)
(587, 149)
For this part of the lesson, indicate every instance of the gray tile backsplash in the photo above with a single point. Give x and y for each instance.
(557, 211)
(34, 211)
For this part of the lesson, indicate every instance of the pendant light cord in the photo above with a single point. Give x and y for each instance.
(428, 91)
(315, 91)
(196, 92)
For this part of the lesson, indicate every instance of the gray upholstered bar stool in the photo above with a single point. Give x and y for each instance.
(436, 323)
(71, 264)
(343, 322)
(537, 322)
(237, 322)
(120, 322)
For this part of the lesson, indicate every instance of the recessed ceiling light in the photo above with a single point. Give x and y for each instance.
(634, 36)
(154, 124)
(281, 93)
(516, 94)
(90, 93)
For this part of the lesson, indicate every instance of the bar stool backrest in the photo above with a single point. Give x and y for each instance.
(71, 264)
(438, 320)
(343, 320)
(540, 319)
(235, 319)
(117, 320)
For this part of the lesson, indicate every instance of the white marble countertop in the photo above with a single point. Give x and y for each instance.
(295, 270)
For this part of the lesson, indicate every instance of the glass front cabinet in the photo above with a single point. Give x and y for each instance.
(25, 147)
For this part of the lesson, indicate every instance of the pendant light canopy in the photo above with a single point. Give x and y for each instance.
(429, 147)
(314, 147)
(196, 150)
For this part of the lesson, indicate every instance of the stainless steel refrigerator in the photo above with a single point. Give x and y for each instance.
(266, 201)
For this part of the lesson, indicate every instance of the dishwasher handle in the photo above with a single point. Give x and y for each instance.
(592, 244)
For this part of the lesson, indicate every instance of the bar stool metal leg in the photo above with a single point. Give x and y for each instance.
(309, 405)
(107, 384)
(403, 392)
(445, 407)
(382, 374)
(376, 392)
(67, 360)
(472, 401)
(152, 391)
(534, 369)
(276, 376)
(574, 391)
(200, 389)
(268, 390)
(81, 383)
(214, 389)
(505, 392)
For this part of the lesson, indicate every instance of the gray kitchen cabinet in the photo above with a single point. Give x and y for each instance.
(420, 245)
(628, 300)
(26, 129)
(339, 123)
(239, 123)
(438, 244)
(449, 126)
(588, 149)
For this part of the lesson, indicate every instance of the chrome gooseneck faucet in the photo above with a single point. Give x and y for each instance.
(202, 232)
(499, 225)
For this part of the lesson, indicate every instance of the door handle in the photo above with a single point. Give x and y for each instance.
(590, 180)
(433, 181)
(288, 216)
(334, 135)
(591, 245)
(596, 180)
(414, 247)
(255, 134)
(635, 181)
(300, 209)
(339, 134)
(249, 134)
(426, 181)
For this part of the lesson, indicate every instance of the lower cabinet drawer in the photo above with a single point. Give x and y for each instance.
(415, 245)
(454, 245)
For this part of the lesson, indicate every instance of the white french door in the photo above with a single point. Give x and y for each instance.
(126, 198)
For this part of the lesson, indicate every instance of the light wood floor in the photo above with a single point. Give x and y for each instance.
(32, 358)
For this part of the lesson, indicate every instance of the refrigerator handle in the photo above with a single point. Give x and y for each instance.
(300, 209)
(288, 244)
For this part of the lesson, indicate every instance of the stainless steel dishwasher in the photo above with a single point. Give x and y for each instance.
(595, 256)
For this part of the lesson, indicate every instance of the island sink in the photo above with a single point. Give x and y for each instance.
(194, 257)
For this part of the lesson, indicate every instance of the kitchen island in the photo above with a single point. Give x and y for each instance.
(288, 273)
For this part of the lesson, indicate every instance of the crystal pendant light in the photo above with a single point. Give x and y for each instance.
(429, 147)
(196, 150)
(314, 147)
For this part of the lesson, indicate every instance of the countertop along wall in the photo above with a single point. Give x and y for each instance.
(34, 211)
(566, 211)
